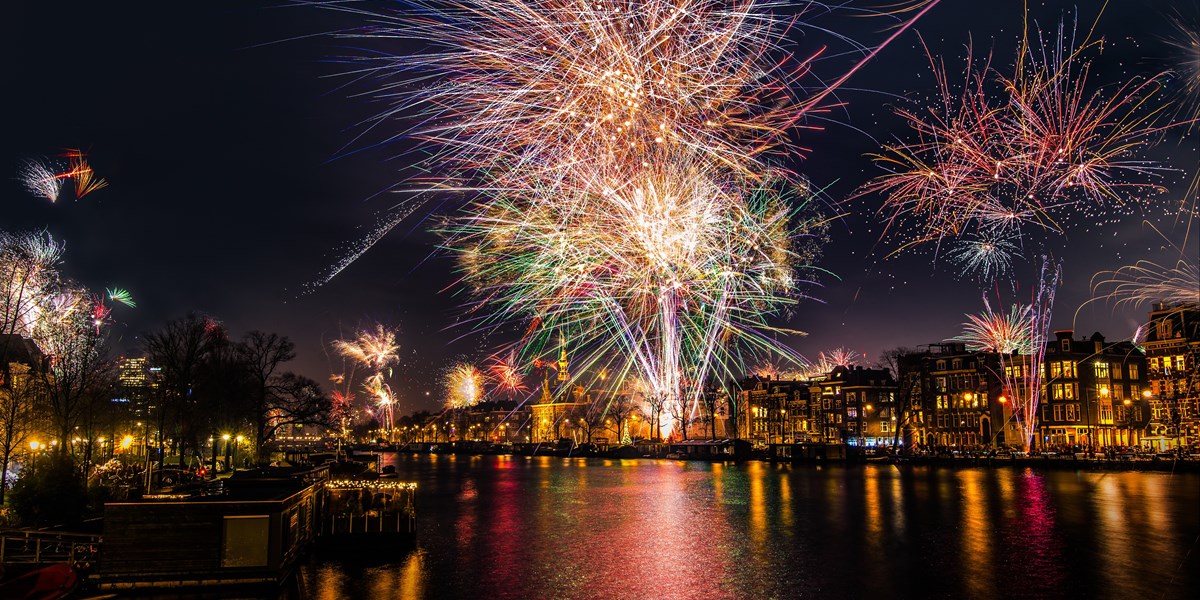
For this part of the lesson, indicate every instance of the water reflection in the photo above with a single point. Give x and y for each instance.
(513, 527)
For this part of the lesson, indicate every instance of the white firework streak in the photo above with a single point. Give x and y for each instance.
(360, 246)
(41, 178)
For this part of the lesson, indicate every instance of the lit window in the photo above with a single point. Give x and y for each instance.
(1102, 370)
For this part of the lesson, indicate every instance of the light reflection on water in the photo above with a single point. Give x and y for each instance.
(516, 527)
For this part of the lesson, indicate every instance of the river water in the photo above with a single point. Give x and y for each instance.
(519, 527)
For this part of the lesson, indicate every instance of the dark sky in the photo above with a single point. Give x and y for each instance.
(222, 129)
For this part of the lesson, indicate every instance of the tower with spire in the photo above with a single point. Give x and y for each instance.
(563, 374)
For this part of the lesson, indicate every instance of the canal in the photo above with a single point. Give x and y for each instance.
(519, 527)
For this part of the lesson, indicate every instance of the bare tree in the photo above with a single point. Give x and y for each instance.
(905, 365)
(20, 393)
(292, 400)
(618, 411)
(178, 350)
(263, 354)
(657, 402)
(77, 369)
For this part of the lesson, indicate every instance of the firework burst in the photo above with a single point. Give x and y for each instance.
(506, 376)
(122, 296)
(985, 256)
(992, 331)
(374, 348)
(1002, 156)
(41, 178)
(85, 178)
(464, 386)
(667, 267)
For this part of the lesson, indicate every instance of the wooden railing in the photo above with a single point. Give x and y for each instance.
(31, 547)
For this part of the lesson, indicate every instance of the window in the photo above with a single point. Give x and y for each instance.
(1057, 412)
(1056, 369)
(1102, 370)
(1068, 391)
(1070, 412)
(956, 364)
(941, 365)
(1068, 368)
(1135, 391)
(1165, 329)
(1153, 363)
(1106, 413)
(245, 541)
(1066, 345)
(1179, 364)
(941, 384)
(1116, 371)
(852, 413)
(884, 427)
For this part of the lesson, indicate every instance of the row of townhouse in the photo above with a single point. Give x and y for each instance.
(1093, 393)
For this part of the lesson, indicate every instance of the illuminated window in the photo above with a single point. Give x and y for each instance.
(1068, 368)
(1101, 370)
(1154, 363)
(1135, 390)
(1057, 412)
(1056, 369)
(1133, 372)
(1070, 412)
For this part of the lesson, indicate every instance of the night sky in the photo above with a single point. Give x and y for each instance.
(229, 141)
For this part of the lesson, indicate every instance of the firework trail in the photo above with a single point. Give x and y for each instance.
(1148, 282)
(41, 178)
(1025, 329)
(352, 251)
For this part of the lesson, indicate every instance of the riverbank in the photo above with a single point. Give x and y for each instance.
(831, 454)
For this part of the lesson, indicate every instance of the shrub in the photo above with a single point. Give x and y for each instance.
(49, 491)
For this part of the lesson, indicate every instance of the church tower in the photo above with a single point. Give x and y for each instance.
(563, 374)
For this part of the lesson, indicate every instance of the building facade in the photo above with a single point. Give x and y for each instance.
(1172, 344)
(1093, 393)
